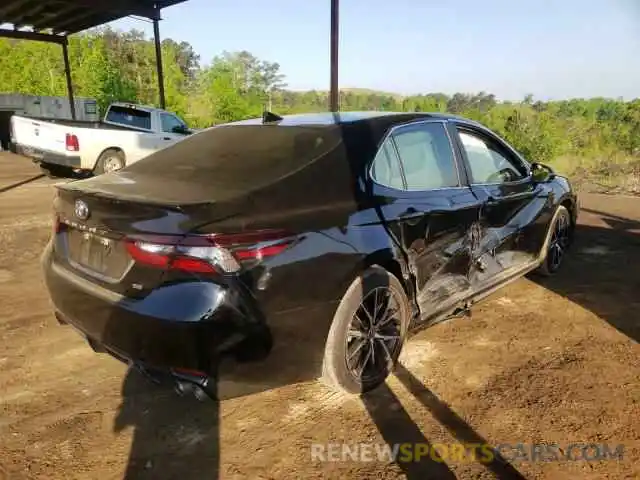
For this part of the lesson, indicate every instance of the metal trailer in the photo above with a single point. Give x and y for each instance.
(54, 20)
(44, 107)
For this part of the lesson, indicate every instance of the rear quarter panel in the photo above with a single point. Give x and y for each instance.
(322, 266)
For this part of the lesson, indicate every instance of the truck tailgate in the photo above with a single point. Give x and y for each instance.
(38, 134)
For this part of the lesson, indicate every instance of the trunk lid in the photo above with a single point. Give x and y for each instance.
(150, 189)
(96, 219)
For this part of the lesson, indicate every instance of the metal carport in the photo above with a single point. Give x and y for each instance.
(54, 20)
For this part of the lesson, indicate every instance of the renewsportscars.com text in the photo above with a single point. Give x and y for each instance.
(466, 452)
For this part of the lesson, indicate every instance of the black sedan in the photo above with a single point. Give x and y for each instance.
(329, 235)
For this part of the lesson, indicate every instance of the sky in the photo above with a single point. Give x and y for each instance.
(552, 49)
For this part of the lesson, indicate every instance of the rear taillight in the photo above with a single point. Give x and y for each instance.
(71, 143)
(222, 253)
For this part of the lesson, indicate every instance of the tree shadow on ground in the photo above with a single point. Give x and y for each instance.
(174, 437)
(396, 427)
(600, 273)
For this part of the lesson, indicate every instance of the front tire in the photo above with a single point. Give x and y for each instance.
(367, 334)
(559, 240)
(110, 160)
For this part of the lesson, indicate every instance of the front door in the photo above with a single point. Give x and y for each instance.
(511, 204)
(173, 130)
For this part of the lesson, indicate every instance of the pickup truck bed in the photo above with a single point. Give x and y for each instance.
(82, 123)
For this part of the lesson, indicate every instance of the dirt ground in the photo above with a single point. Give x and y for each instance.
(541, 361)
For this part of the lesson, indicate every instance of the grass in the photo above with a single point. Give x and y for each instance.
(612, 173)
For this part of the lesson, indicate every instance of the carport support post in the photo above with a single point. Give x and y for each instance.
(67, 73)
(156, 39)
(334, 94)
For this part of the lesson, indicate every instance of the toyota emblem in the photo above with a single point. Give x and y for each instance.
(81, 210)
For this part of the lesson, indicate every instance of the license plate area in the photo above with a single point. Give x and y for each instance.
(94, 251)
(98, 255)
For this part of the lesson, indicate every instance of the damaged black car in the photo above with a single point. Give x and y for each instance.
(325, 237)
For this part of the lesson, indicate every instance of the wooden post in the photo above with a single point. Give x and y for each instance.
(67, 73)
(334, 94)
(156, 39)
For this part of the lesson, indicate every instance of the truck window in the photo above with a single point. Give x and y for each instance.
(131, 117)
(170, 122)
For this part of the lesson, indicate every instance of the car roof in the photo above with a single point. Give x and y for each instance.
(337, 118)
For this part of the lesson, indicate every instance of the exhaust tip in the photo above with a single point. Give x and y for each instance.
(192, 382)
(184, 388)
(201, 395)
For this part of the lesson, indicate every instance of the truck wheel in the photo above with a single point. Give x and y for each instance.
(367, 334)
(109, 161)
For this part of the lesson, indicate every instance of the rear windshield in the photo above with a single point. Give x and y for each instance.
(129, 116)
(240, 157)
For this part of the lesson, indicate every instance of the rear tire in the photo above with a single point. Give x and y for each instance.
(110, 160)
(559, 240)
(367, 334)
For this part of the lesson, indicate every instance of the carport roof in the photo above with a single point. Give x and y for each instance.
(52, 20)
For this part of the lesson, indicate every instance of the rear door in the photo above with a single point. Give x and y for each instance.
(435, 211)
(511, 203)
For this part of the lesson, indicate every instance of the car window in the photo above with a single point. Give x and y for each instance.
(240, 157)
(386, 167)
(426, 156)
(129, 116)
(489, 163)
(169, 122)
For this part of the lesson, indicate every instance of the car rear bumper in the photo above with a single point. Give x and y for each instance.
(46, 156)
(189, 325)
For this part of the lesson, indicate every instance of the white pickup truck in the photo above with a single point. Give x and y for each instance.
(128, 133)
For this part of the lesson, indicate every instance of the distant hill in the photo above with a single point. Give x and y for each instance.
(357, 91)
(369, 91)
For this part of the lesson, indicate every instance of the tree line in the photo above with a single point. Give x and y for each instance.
(110, 65)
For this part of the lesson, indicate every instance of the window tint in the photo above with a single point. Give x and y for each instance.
(169, 122)
(129, 116)
(426, 156)
(488, 161)
(240, 157)
(386, 167)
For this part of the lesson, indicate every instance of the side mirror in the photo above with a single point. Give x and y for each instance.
(541, 172)
(181, 130)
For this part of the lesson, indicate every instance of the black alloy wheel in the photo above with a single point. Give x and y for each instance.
(374, 336)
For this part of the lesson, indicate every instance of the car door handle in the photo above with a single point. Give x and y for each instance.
(166, 138)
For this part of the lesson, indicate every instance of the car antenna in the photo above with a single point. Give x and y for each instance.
(268, 117)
